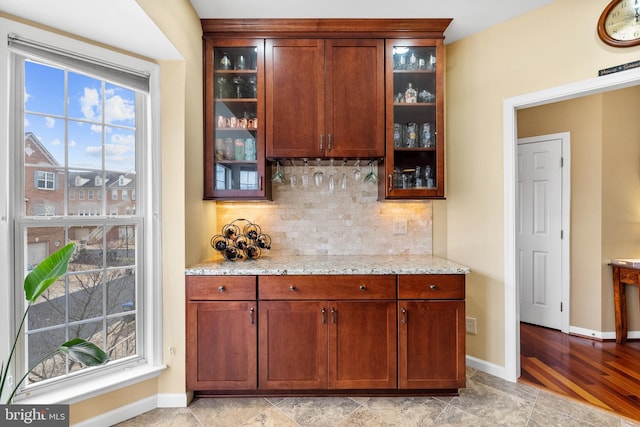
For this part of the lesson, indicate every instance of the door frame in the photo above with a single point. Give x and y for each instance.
(511, 106)
(565, 221)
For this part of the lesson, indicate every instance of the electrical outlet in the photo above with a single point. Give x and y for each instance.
(471, 325)
(399, 226)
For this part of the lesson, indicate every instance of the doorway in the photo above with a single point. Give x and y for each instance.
(543, 194)
(510, 107)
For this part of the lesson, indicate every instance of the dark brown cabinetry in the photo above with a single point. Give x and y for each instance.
(414, 160)
(325, 98)
(325, 88)
(325, 333)
(234, 153)
(333, 341)
(431, 350)
(221, 333)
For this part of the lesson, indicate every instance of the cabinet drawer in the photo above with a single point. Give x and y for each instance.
(431, 286)
(331, 287)
(629, 276)
(221, 288)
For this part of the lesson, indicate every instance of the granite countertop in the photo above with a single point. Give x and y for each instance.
(329, 264)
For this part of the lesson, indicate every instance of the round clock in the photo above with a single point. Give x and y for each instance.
(619, 24)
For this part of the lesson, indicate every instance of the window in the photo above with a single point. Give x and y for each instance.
(83, 119)
(114, 194)
(124, 194)
(45, 180)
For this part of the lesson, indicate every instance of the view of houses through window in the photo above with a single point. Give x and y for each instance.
(80, 144)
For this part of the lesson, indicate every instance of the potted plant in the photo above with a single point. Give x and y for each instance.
(36, 282)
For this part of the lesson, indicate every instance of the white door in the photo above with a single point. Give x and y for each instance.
(539, 243)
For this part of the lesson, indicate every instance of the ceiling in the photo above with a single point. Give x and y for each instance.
(124, 24)
(469, 16)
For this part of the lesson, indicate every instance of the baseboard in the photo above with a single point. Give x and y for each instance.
(608, 336)
(175, 400)
(487, 367)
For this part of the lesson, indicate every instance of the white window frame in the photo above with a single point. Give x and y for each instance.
(93, 382)
(46, 180)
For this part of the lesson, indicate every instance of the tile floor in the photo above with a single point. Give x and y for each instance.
(487, 401)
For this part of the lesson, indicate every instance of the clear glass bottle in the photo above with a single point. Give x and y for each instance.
(410, 95)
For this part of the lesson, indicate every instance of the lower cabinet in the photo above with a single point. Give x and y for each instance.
(271, 334)
(221, 344)
(327, 344)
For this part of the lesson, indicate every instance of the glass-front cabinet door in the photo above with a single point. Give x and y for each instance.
(414, 160)
(234, 152)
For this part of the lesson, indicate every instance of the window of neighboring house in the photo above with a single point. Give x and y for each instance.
(114, 194)
(45, 180)
(83, 117)
(124, 194)
(133, 194)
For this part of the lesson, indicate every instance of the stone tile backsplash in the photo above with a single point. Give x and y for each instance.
(313, 221)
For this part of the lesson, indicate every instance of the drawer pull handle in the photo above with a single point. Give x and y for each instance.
(220, 288)
(251, 311)
(433, 287)
(333, 316)
(323, 312)
(292, 288)
(404, 316)
(363, 288)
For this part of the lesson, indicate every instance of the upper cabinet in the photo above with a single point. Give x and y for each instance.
(325, 98)
(324, 88)
(414, 161)
(234, 155)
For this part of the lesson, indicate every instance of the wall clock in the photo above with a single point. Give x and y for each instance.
(619, 24)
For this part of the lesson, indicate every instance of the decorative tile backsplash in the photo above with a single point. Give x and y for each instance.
(313, 221)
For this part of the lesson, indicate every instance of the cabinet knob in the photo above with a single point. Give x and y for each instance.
(363, 288)
(220, 288)
(292, 288)
(433, 287)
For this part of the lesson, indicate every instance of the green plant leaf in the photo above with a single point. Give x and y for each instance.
(84, 352)
(47, 272)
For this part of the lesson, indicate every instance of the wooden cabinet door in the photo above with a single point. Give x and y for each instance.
(293, 345)
(221, 346)
(362, 344)
(431, 350)
(355, 100)
(294, 98)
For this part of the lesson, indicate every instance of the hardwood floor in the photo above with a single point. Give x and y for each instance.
(602, 373)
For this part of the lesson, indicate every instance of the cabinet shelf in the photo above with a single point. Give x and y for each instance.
(236, 71)
(235, 100)
(419, 149)
(236, 162)
(414, 71)
(414, 105)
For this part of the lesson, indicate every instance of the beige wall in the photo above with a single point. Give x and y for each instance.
(535, 51)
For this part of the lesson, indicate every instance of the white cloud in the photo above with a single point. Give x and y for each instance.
(96, 128)
(118, 109)
(56, 142)
(121, 139)
(27, 97)
(26, 122)
(72, 143)
(49, 122)
(90, 103)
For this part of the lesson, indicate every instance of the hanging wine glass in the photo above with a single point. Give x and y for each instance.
(343, 178)
(318, 175)
(292, 176)
(357, 173)
(304, 177)
(332, 178)
(371, 175)
(278, 176)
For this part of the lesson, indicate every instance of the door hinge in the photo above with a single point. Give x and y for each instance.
(561, 162)
(561, 234)
(561, 307)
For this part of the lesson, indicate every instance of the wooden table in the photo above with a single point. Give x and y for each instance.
(622, 276)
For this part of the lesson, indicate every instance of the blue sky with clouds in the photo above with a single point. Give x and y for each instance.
(100, 120)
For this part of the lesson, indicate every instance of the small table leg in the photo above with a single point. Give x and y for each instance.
(620, 303)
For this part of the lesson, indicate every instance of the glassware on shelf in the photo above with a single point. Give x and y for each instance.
(410, 94)
(410, 135)
(238, 81)
(240, 62)
(293, 179)
(425, 135)
(225, 62)
(397, 135)
(318, 175)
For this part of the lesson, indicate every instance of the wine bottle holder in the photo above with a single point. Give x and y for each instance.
(241, 239)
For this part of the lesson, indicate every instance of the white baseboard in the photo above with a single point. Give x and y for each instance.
(600, 335)
(175, 400)
(487, 367)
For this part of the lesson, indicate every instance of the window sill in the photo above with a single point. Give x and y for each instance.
(94, 387)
